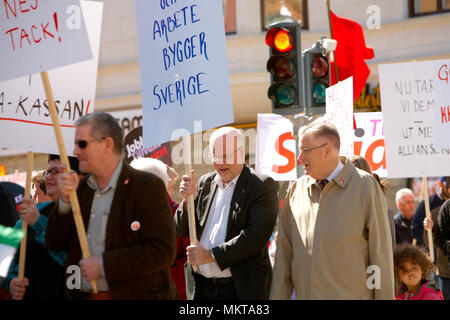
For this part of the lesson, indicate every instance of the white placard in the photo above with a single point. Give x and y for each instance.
(442, 103)
(39, 35)
(275, 147)
(339, 112)
(183, 67)
(407, 102)
(25, 121)
(128, 119)
(369, 140)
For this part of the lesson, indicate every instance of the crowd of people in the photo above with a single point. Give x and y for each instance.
(335, 237)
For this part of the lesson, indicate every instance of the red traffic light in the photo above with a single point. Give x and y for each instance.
(279, 39)
(319, 67)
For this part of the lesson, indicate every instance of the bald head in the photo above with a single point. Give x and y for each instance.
(228, 138)
(227, 149)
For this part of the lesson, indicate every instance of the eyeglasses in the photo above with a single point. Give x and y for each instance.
(308, 150)
(82, 144)
(52, 172)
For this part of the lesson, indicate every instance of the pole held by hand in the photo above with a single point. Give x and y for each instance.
(81, 231)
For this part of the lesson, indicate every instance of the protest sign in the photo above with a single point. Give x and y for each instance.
(442, 103)
(25, 122)
(36, 36)
(407, 101)
(134, 148)
(275, 147)
(339, 112)
(184, 67)
(369, 141)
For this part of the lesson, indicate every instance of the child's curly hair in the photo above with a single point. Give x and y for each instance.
(415, 255)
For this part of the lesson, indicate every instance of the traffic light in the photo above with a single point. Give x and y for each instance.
(285, 67)
(317, 79)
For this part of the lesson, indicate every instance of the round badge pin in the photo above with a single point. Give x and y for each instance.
(135, 226)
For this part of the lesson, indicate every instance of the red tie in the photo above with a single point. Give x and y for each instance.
(323, 183)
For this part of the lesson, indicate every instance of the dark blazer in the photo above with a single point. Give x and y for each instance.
(402, 229)
(251, 221)
(137, 263)
(8, 208)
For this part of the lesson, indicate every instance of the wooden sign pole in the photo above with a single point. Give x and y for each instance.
(65, 160)
(428, 215)
(190, 199)
(23, 243)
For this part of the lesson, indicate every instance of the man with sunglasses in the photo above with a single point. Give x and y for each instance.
(126, 214)
(333, 231)
(235, 213)
(44, 268)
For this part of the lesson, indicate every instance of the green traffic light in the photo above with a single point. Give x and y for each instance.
(319, 93)
(282, 94)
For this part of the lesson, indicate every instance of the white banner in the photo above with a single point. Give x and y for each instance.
(408, 105)
(339, 112)
(184, 67)
(128, 119)
(442, 103)
(25, 121)
(275, 147)
(36, 36)
(369, 141)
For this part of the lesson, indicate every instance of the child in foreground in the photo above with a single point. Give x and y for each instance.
(413, 270)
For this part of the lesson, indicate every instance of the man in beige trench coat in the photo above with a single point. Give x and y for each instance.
(333, 238)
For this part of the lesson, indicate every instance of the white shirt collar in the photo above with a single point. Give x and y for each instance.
(336, 171)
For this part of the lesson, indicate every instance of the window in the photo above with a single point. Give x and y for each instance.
(425, 7)
(274, 11)
(229, 13)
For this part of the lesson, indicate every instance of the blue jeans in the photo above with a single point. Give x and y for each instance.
(444, 285)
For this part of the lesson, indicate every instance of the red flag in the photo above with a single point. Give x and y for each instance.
(351, 51)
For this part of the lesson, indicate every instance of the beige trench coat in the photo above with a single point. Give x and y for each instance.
(327, 241)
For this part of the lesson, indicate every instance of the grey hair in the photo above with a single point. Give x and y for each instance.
(322, 130)
(152, 165)
(400, 193)
(103, 125)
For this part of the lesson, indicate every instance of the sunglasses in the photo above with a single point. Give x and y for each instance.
(82, 144)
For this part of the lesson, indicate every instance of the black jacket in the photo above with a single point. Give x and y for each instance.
(402, 229)
(45, 275)
(251, 221)
(442, 228)
(8, 209)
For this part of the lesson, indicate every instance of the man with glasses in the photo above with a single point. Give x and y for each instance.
(235, 213)
(404, 198)
(126, 214)
(334, 239)
(44, 268)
